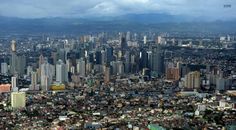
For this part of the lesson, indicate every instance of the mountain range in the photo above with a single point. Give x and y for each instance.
(129, 22)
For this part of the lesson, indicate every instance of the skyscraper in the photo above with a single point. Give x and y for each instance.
(14, 84)
(192, 80)
(61, 72)
(98, 57)
(157, 63)
(46, 75)
(107, 75)
(145, 40)
(128, 36)
(34, 81)
(143, 59)
(20, 64)
(4, 68)
(81, 67)
(123, 43)
(109, 52)
(13, 62)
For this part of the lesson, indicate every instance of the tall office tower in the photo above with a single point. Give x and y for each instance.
(13, 59)
(157, 65)
(21, 64)
(29, 70)
(228, 38)
(41, 60)
(54, 57)
(47, 72)
(107, 75)
(18, 100)
(13, 46)
(149, 55)
(91, 58)
(127, 64)
(220, 83)
(103, 57)
(61, 54)
(98, 57)
(135, 36)
(145, 40)
(117, 67)
(128, 36)
(134, 63)
(143, 59)
(68, 65)
(14, 84)
(114, 67)
(81, 67)
(4, 68)
(34, 81)
(120, 68)
(109, 52)
(192, 80)
(159, 40)
(61, 72)
(123, 43)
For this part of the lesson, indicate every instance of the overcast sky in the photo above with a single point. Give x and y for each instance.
(89, 8)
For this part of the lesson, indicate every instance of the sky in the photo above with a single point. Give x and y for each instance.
(212, 9)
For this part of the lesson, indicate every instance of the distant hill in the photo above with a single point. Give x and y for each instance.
(131, 22)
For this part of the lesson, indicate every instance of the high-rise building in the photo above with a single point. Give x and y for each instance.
(128, 36)
(61, 72)
(18, 100)
(47, 72)
(103, 57)
(109, 52)
(127, 60)
(98, 57)
(118, 68)
(192, 80)
(14, 84)
(4, 68)
(220, 83)
(143, 59)
(21, 64)
(159, 40)
(29, 70)
(81, 67)
(34, 81)
(172, 74)
(13, 46)
(123, 43)
(62, 54)
(157, 62)
(13, 59)
(107, 75)
(145, 40)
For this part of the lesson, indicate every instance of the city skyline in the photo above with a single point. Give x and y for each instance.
(118, 64)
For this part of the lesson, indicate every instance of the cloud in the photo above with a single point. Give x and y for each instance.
(87, 8)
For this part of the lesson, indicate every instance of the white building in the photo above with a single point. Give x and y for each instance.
(14, 83)
(47, 72)
(81, 67)
(61, 72)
